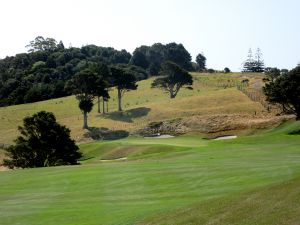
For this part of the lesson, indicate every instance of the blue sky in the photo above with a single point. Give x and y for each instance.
(223, 30)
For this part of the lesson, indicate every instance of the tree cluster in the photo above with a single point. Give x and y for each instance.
(254, 64)
(152, 57)
(284, 89)
(42, 73)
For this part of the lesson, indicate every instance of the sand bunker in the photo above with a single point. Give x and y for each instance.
(162, 136)
(226, 137)
(111, 160)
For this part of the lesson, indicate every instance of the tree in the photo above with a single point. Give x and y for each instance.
(139, 57)
(259, 64)
(174, 77)
(201, 61)
(248, 65)
(256, 64)
(43, 142)
(124, 80)
(42, 44)
(272, 73)
(178, 54)
(86, 85)
(285, 90)
(103, 72)
(226, 70)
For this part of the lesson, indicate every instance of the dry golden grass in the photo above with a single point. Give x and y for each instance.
(140, 107)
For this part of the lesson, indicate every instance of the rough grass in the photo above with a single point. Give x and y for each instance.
(141, 107)
(182, 176)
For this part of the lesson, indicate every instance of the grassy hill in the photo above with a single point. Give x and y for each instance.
(183, 180)
(145, 105)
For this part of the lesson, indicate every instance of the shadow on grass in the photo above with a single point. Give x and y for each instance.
(295, 132)
(128, 115)
(103, 133)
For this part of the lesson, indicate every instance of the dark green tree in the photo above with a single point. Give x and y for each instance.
(174, 78)
(124, 80)
(226, 70)
(285, 90)
(43, 142)
(103, 72)
(201, 61)
(178, 54)
(86, 85)
(42, 44)
(272, 73)
(139, 57)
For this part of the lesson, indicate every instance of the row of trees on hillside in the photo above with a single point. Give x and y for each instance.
(96, 80)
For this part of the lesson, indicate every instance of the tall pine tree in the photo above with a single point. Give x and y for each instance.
(254, 64)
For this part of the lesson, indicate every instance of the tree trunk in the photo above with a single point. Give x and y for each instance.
(119, 100)
(85, 124)
(171, 91)
(103, 105)
(99, 111)
(172, 94)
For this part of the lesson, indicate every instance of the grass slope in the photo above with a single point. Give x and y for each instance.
(163, 179)
(275, 204)
(142, 106)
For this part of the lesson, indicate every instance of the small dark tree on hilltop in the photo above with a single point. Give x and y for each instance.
(174, 78)
(226, 70)
(285, 90)
(124, 80)
(201, 61)
(43, 142)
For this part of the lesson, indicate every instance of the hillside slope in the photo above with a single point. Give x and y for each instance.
(145, 105)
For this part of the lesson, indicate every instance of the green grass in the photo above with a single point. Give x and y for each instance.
(183, 180)
(141, 107)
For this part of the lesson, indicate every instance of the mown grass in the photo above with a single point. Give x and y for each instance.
(141, 107)
(185, 180)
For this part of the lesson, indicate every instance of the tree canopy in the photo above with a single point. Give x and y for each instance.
(201, 61)
(152, 57)
(173, 79)
(86, 85)
(124, 79)
(43, 142)
(42, 73)
(285, 90)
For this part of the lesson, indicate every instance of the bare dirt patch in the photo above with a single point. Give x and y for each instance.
(213, 124)
(3, 168)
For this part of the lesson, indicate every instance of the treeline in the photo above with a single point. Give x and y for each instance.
(43, 72)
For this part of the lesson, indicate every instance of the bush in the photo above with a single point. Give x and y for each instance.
(43, 142)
